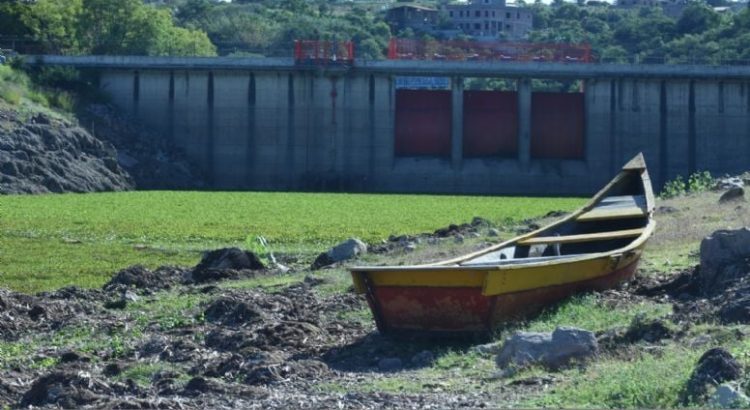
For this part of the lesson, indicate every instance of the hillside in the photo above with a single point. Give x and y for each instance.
(43, 151)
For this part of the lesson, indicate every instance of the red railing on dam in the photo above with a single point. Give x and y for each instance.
(457, 50)
(319, 52)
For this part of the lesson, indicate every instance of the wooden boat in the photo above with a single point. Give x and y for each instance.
(594, 248)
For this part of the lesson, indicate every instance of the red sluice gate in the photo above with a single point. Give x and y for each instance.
(490, 124)
(423, 123)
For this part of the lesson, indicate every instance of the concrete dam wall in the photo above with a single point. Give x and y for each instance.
(292, 128)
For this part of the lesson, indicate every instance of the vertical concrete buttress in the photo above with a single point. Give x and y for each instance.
(663, 135)
(613, 127)
(371, 128)
(691, 130)
(209, 169)
(136, 92)
(289, 163)
(170, 110)
(457, 122)
(524, 121)
(250, 153)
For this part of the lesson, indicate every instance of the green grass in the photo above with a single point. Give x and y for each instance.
(648, 381)
(50, 241)
(143, 373)
(590, 313)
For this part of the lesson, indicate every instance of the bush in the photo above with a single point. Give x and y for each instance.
(61, 100)
(673, 188)
(697, 182)
(700, 182)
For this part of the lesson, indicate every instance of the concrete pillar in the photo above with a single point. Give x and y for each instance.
(524, 121)
(250, 148)
(457, 123)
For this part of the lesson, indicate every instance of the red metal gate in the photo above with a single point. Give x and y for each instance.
(557, 125)
(490, 123)
(423, 123)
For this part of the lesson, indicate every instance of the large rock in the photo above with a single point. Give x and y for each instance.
(714, 367)
(551, 350)
(728, 396)
(45, 154)
(733, 194)
(737, 308)
(153, 160)
(225, 263)
(349, 249)
(724, 259)
(729, 183)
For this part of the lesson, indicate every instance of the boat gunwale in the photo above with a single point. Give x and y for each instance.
(454, 264)
(637, 243)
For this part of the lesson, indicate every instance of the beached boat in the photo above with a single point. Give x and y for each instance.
(594, 248)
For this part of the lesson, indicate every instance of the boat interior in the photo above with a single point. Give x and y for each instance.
(614, 220)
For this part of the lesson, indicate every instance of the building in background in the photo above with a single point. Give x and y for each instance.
(418, 18)
(490, 19)
(481, 19)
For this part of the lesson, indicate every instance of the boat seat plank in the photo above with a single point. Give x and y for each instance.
(616, 207)
(534, 259)
(586, 237)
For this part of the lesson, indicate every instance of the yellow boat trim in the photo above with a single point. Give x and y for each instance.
(507, 281)
(501, 279)
(586, 237)
(606, 214)
(443, 278)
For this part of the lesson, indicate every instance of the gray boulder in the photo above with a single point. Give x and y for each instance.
(729, 182)
(715, 366)
(723, 259)
(733, 194)
(728, 396)
(488, 348)
(349, 249)
(551, 350)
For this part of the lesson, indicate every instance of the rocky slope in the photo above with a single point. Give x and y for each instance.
(102, 150)
(40, 153)
(152, 161)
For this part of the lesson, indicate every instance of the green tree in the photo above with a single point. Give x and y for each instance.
(697, 18)
(55, 24)
(131, 27)
(11, 18)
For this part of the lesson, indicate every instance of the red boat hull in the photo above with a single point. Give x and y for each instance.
(466, 310)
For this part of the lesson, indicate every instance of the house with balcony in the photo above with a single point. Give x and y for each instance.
(490, 19)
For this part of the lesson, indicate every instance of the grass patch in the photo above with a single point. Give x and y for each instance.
(588, 312)
(453, 371)
(16, 88)
(649, 381)
(143, 373)
(678, 234)
(169, 310)
(265, 282)
(85, 238)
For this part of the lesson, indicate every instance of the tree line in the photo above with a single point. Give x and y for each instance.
(269, 27)
(127, 27)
